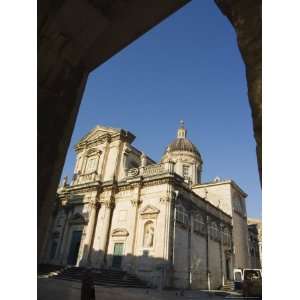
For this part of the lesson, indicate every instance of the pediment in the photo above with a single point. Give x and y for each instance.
(150, 210)
(99, 131)
(120, 232)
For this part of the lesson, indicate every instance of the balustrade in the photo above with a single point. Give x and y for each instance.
(152, 170)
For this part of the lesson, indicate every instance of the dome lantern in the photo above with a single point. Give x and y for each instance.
(181, 133)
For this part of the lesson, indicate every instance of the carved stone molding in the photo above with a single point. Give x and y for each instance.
(157, 182)
(133, 172)
(107, 138)
(120, 232)
(135, 202)
(94, 204)
(149, 212)
(165, 199)
(93, 151)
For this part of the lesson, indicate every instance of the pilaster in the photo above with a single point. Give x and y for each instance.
(62, 245)
(88, 243)
(135, 202)
(104, 221)
(106, 151)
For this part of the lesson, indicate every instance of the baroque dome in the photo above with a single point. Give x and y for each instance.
(182, 143)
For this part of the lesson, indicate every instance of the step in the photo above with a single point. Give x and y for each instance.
(104, 277)
(105, 283)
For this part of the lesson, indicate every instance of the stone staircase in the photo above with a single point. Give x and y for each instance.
(228, 286)
(47, 269)
(104, 277)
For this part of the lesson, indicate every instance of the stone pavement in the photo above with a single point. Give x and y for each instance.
(53, 289)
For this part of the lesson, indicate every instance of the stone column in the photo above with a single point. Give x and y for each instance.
(88, 243)
(135, 202)
(66, 211)
(105, 156)
(108, 207)
(62, 245)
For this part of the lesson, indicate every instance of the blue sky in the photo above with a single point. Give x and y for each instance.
(188, 67)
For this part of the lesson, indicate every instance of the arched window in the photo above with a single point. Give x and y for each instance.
(186, 171)
(148, 240)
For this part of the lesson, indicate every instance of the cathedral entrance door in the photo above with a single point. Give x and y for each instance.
(74, 247)
(227, 268)
(118, 255)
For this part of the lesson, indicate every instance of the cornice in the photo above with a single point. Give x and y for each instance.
(89, 186)
(230, 181)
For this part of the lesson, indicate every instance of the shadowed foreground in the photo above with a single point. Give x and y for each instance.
(49, 289)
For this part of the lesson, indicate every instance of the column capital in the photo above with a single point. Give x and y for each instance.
(135, 202)
(107, 138)
(166, 198)
(95, 204)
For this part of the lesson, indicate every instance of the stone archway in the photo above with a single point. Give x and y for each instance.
(76, 36)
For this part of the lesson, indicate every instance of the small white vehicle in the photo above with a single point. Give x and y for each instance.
(249, 281)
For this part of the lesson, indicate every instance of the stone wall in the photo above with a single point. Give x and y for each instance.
(228, 197)
(217, 194)
(198, 262)
(215, 264)
(180, 276)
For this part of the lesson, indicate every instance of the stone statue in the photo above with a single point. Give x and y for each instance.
(65, 181)
(149, 236)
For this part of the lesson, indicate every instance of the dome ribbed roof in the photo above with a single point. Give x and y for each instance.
(183, 144)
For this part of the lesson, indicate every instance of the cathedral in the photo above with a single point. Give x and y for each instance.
(159, 221)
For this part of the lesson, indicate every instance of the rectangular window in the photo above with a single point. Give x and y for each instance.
(199, 225)
(181, 216)
(77, 167)
(214, 232)
(91, 165)
(185, 171)
(226, 238)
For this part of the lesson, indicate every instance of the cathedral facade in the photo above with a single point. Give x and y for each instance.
(157, 220)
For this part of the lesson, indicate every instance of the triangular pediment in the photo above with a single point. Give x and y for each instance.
(99, 131)
(149, 209)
